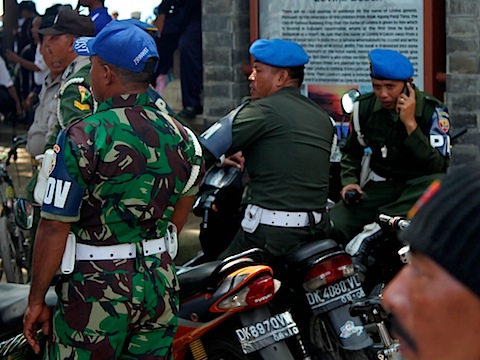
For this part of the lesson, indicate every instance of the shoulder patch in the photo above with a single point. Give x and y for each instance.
(84, 93)
(80, 106)
(444, 125)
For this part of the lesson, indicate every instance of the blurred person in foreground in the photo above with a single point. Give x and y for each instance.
(126, 171)
(435, 300)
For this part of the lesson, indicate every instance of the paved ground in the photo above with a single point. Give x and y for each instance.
(21, 171)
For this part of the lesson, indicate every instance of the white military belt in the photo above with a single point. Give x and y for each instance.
(375, 177)
(120, 251)
(287, 218)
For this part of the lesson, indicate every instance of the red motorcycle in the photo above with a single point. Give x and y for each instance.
(224, 312)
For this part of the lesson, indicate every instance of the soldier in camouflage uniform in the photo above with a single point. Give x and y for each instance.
(74, 99)
(120, 175)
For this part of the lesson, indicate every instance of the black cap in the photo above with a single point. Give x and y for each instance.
(69, 22)
(446, 224)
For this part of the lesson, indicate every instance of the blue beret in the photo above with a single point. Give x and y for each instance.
(389, 64)
(279, 53)
(121, 44)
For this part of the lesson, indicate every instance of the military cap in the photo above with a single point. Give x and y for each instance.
(68, 21)
(386, 64)
(121, 44)
(279, 53)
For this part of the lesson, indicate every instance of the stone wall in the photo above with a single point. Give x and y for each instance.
(226, 37)
(463, 75)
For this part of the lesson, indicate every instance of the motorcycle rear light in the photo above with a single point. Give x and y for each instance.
(328, 271)
(254, 294)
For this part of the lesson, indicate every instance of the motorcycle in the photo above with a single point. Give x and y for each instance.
(319, 283)
(224, 312)
(13, 304)
(370, 308)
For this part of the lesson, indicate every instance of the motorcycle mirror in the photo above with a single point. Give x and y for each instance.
(348, 99)
(23, 210)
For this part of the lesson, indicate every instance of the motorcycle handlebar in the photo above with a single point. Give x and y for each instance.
(395, 222)
(17, 142)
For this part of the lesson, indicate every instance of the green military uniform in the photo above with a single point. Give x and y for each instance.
(128, 165)
(409, 163)
(286, 140)
(75, 99)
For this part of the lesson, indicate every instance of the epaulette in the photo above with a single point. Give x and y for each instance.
(69, 71)
(433, 99)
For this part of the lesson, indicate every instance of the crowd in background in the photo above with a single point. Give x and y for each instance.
(23, 69)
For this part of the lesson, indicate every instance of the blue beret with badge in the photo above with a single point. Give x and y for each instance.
(279, 53)
(386, 64)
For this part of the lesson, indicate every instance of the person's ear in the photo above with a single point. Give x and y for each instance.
(108, 74)
(282, 77)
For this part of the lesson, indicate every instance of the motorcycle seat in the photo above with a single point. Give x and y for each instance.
(193, 280)
(13, 303)
(311, 249)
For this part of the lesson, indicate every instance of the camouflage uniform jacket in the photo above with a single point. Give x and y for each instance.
(74, 99)
(119, 172)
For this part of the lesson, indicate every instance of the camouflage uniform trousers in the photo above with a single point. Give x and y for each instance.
(116, 309)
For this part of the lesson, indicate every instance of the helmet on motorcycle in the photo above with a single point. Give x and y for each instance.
(446, 224)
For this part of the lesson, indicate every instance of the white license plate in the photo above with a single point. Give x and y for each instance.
(261, 334)
(344, 290)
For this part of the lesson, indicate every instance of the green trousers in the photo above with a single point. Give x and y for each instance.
(394, 198)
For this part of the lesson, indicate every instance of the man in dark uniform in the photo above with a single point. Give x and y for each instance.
(119, 176)
(286, 140)
(98, 13)
(403, 133)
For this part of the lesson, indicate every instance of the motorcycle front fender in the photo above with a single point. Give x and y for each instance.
(350, 331)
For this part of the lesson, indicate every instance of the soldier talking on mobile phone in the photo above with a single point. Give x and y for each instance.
(405, 133)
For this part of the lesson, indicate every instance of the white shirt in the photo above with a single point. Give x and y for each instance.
(5, 78)
(39, 76)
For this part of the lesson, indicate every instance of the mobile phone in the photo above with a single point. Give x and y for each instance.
(405, 90)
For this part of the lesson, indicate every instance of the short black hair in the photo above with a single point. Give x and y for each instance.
(297, 72)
